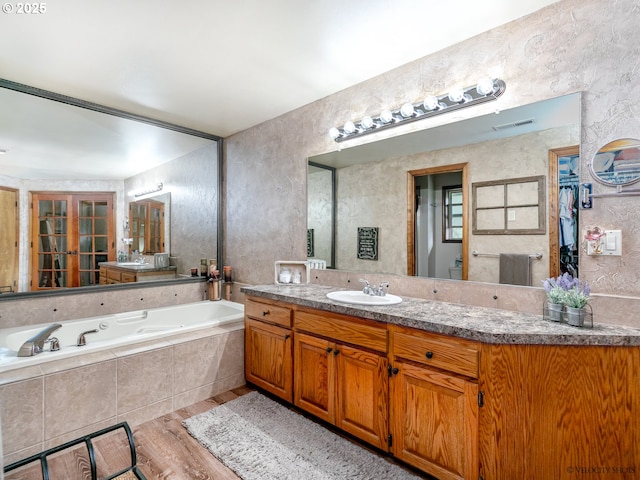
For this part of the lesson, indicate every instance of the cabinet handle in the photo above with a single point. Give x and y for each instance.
(287, 336)
(336, 352)
(429, 355)
(329, 350)
(265, 313)
(394, 371)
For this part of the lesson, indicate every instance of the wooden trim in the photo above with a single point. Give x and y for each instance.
(11, 260)
(554, 242)
(411, 212)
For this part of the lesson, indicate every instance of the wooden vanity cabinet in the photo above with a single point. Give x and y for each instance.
(434, 403)
(268, 347)
(341, 374)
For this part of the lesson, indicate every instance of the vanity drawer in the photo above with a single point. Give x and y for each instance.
(354, 331)
(448, 353)
(268, 312)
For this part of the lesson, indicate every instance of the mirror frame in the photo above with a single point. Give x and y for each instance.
(57, 97)
(332, 170)
(613, 146)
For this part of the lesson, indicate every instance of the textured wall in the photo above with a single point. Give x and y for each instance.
(192, 181)
(573, 45)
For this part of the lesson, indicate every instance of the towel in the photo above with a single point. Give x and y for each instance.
(515, 269)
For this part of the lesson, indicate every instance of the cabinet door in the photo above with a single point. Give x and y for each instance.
(314, 385)
(362, 394)
(435, 422)
(268, 358)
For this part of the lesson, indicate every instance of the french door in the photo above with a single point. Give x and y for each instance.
(71, 233)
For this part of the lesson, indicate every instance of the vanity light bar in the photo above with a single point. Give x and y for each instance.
(484, 91)
(148, 190)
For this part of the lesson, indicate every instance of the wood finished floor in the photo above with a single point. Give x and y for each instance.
(165, 451)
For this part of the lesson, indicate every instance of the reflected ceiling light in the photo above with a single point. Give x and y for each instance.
(147, 190)
(485, 90)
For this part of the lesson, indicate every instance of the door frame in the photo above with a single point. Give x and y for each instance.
(411, 212)
(554, 189)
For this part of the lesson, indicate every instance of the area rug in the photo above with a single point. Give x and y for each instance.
(259, 439)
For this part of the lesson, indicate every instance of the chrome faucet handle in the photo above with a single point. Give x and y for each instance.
(382, 288)
(82, 340)
(55, 344)
(367, 287)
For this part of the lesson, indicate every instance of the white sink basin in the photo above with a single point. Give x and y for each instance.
(356, 297)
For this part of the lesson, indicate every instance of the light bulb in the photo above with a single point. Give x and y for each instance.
(386, 116)
(406, 110)
(334, 133)
(349, 128)
(456, 95)
(431, 103)
(366, 122)
(484, 86)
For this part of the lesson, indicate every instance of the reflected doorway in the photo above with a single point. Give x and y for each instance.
(564, 211)
(437, 222)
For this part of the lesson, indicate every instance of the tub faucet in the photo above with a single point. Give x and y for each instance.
(35, 344)
(83, 341)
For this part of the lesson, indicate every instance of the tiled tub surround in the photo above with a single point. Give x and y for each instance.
(487, 325)
(49, 403)
(115, 330)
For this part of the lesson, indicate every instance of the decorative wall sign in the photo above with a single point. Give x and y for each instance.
(310, 250)
(368, 243)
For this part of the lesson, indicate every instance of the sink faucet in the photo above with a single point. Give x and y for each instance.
(379, 291)
(35, 344)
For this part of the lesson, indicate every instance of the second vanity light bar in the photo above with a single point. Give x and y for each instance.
(485, 90)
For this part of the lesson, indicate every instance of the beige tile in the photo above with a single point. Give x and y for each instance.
(20, 454)
(18, 374)
(446, 290)
(478, 294)
(21, 414)
(520, 299)
(144, 379)
(195, 395)
(92, 391)
(72, 435)
(203, 361)
(232, 359)
(148, 412)
(76, 361)
(616, 310)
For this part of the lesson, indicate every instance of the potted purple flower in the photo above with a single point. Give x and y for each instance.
(556, 289)
(575, 300)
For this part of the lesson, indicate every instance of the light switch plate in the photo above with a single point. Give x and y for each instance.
(609, 244)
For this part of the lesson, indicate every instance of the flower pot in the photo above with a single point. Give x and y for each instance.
(555, 311)
(575, 316)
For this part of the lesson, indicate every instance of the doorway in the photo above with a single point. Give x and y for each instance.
(437, 222)
(564, 211)
(9, 240)
(71, 233)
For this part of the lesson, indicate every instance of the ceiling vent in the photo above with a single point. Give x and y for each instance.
(519, 123)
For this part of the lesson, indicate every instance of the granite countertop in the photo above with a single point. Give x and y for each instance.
(481, 324)
(140, 267)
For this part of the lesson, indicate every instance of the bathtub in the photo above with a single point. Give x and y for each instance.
(117, 330)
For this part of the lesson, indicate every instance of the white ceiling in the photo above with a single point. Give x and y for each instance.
(222, 66)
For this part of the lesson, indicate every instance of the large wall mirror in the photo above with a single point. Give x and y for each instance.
(429, 173)
(80, 171)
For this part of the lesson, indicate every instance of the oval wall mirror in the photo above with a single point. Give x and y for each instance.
(617, 163)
